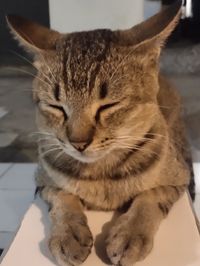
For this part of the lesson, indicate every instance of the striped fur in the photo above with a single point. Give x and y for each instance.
(104, 88)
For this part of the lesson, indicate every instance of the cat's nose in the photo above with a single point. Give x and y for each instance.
(80, 146)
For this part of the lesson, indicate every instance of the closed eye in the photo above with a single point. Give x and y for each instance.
(103, 108)
(60, 108)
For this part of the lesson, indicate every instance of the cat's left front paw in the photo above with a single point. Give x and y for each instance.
(126, 246)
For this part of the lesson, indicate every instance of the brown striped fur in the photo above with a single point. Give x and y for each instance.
(103, 89)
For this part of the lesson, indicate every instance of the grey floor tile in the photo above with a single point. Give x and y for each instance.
(20, 176)
(6, 239)
(13, 205)
(4, 167)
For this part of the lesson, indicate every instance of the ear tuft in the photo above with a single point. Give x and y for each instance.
(33, 36)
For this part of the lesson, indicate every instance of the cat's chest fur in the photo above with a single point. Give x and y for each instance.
(107, 193)
(104, 194)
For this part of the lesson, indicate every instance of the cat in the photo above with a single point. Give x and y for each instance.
(111, 134)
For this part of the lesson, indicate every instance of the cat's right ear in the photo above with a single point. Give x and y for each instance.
(153, 32)
(31, 35)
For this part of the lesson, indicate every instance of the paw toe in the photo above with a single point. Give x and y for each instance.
(70, 248)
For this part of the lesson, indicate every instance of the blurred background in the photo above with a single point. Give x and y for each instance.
(180, 61)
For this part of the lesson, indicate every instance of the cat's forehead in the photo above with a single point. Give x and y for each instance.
(82, 55)
(94, 43)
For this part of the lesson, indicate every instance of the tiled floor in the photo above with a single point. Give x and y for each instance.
(16, 118)
(17, 189)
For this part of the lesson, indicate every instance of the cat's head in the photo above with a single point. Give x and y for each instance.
(96, 91)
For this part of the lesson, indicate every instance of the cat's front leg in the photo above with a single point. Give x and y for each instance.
(71, 240)
(131, 238)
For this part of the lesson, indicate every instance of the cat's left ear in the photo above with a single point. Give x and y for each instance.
(153, 32)
(31, 35)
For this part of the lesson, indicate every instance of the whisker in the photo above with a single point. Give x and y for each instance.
(39, 137)
(164, 107)
(30, 74)
(130, 139)
(150, 151)
(49, 70)
(120, 64)
(142, 138)
(27, 37)
(27, 60)
(24, 58)
(143, 149)
(46, 139)
(156, 134)
(122, 139)
(43, 58)
(42, 133)
(115, 81)
(58, 155)
(49, 145)
(48, 151)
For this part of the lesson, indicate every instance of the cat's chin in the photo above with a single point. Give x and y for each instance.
(86, 158)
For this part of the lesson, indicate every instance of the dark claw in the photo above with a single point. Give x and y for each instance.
(75, 257)
(62, 250)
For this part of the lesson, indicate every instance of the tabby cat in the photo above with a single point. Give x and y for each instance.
(111, 134)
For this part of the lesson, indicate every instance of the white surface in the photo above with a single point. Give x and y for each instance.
(77, 15)
(19, 177)
(177, 242)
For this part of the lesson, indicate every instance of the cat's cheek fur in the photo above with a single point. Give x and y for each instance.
(48, 122)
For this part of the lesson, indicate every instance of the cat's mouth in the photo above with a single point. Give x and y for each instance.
(86, 156)
(88, 159)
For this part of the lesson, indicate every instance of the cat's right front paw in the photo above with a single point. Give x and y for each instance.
(71, 244)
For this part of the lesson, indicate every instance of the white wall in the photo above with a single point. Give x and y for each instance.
(77, 15)
(151, 8)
